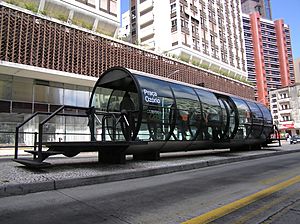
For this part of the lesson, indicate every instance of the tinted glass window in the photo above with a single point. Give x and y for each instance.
(5, 87)
(188, 112)
(257, 116)
(116, 92)
(211, 115)
(268, 122)
(22, 89)
(257, 120)
(158, 109)
(267, 115)
(244, 119)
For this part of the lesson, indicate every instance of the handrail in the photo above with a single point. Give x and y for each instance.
(40, 137)
(105, 116)
(90, 112)
(21, 125)
(33, 116)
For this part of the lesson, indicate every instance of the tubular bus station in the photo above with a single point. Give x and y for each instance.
(139, 114)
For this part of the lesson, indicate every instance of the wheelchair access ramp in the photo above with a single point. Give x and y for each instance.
(108, 152)
(111, 147)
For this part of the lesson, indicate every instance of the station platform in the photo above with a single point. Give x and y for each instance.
(85, 169)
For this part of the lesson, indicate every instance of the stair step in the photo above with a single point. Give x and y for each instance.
(50, 152)
(32, 163)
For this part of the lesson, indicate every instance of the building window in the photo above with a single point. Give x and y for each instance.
(174, 23)
(113, 7)
(104, 5)
(173, 8)
(87, 2)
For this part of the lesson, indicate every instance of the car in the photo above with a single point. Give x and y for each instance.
(295, 139)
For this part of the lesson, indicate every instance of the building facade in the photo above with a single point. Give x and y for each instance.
(57, 63)
(102, 16)
(297, 70)
(206, 32)
(263, 7)
(285, 108)
(124, 32)
(269, 54)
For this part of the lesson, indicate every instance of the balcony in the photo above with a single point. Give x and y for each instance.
(147, 18)
(284, 100)
(147, 32)
(146, 5)
(285, 111)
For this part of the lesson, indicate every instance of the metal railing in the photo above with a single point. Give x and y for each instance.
(90, 113)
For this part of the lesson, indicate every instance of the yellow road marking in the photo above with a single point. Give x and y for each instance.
(226, 209)
(258, 211)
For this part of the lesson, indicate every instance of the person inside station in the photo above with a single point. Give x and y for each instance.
(127, 108)
(183, 123)
(213, 122)
(153, 122)
(204, 127)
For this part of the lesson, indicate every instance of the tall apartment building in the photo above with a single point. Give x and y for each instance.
(207, 32)
(261, 6)
(269, 54)
(99, 15)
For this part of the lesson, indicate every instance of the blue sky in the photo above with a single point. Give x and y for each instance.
(124, 5)
(287, 10)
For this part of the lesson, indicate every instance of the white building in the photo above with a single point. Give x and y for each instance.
(285, 108)
(98, 15)
(206, 32)
(124, 32)
(297, 70)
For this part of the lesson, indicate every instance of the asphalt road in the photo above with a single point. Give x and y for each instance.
(268, 193)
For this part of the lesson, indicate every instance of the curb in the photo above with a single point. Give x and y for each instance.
(19, 189)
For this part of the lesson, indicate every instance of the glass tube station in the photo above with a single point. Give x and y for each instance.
(139, 114)
(176, 116)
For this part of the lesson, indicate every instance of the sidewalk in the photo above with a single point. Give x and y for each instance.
(85, 170)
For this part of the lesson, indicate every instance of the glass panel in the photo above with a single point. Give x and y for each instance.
(267, 115)
(103, 4)
(123, 101)
(257, 120)
(225, 119)
(56, 95)
(101, 97)
(82, 97)
(8, 123)
(5, 87)
(158, 110)
(21, 107)
(22, 89)
(268, 122)
(211, 117)
(244, 119)
(70, 95)
(113, 6)
(116, 92)
(188, 112)
(257, 116)
(41, 93)
(5, 106)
